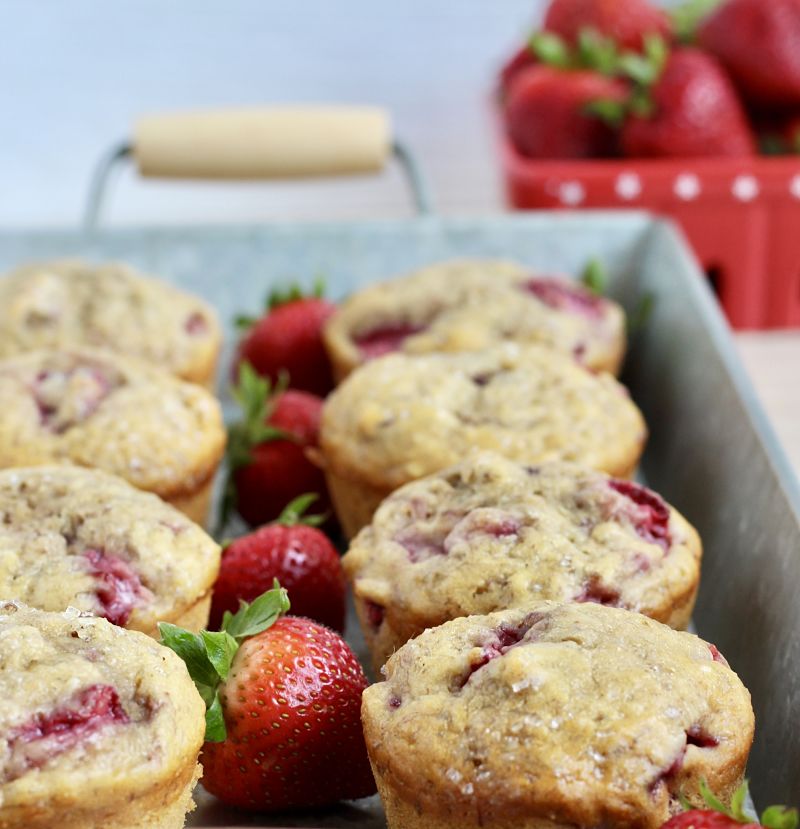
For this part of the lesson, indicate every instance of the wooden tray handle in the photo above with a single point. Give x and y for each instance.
(265, 143)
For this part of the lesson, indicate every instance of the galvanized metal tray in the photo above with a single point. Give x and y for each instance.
(711, 451)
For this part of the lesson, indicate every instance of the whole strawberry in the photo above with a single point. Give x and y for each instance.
(627, 22)
(270, 450)
(689, 109)
(283, 698)
(758, 42)
(547, 117)
(288, 340)
(718, 816)
(293, 551)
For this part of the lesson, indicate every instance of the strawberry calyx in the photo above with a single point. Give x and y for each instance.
(256, 397)
(773, 817)
(293, 514)
(595, 277)
(209, 654)
(642, 71)
(294, 292)
(280, 296)
(593, 51)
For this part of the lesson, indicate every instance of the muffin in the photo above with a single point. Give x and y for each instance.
(554, 715)
(401, 417)
(470, 305)
(101, 727)
(63, 304)
(72, 537)
(94, 408)
(491, 533)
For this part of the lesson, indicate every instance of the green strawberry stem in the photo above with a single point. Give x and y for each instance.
(256, 398)
(687, 17)
(294, 292)
(294, 512)
(773, 817)
(594, 277)
(208, 655)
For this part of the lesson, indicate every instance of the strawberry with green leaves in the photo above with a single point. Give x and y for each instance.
(283, 698)
(718, 816)
(270, 450)
(293, 551)
(680, 104)
(288, 340)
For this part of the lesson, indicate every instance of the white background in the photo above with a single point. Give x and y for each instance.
(75, 73)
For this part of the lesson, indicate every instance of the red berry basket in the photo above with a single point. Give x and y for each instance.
(742, 217)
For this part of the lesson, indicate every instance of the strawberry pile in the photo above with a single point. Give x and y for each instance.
(609, 78)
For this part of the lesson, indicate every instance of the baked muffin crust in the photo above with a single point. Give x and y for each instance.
(554, 715)
(401, 417)
(69, 303)
(72, 537)
(93, 408)
(471, 304)
(99, 726)
(491, 533)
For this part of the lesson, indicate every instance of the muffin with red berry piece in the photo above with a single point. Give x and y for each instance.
(492, 533)
(469, 305)
(72, 537)
(67, 303)
(554, 715)
(272, 449)
(87, 407)
(99, 726)
(401, 417)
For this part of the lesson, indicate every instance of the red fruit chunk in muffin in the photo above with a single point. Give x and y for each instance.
(385, 340)
(48, 735)
(648, 513)
(119, 588)
(566, 296)
(65, 398)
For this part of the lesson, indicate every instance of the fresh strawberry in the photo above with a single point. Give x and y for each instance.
(521, 59)
(283, 698)
(288, 339)
(269, 450)
(758, 42)
(547, 117)
(718, 816)
(627, 22)
(296, 553)
(688, 109)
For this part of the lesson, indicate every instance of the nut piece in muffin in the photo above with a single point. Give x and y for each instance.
(88, 407)
(491, 533)
(468, 305)
(401, 417)
(73, 537)
(99, 727)
(67, 303)
(554, 715)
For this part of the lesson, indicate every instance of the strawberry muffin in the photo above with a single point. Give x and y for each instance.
(492, 533)
(88, 407)
(72, 537)
(554, 715)
(472, 304)
(402, 417)
(99, 727)
(63, 304)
